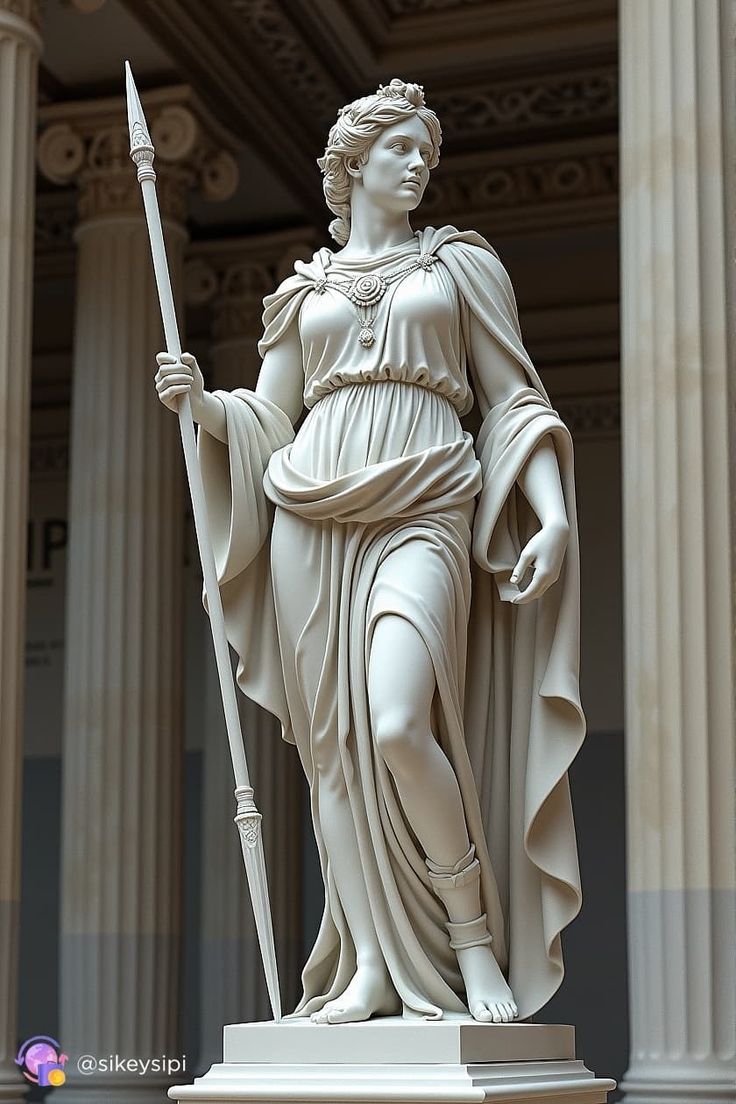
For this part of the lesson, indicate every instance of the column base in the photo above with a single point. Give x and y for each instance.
(13, 1086)
(394, 1060)
(680, 1087)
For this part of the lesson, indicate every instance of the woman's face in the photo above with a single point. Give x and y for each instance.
(396, 171)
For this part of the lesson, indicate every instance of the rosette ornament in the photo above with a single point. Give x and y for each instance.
(367, 290)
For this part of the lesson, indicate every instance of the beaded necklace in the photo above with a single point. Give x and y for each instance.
(365, 292)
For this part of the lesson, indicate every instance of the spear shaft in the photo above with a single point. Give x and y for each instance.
(247, 817)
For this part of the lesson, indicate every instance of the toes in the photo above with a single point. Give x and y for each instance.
(345, 1015)
(487, 1011)
(320, 1017)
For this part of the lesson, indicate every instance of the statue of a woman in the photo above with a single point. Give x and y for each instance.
(347, 558)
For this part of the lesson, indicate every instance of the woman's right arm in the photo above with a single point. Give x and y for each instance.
(281, 380)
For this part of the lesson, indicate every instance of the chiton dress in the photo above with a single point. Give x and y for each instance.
(384, 504)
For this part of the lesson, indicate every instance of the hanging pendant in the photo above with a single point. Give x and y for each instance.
(366, 337)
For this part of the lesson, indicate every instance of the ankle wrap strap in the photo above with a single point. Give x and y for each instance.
(462, 873)
(473, 933)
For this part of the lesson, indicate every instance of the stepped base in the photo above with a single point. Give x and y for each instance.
(394, 1060)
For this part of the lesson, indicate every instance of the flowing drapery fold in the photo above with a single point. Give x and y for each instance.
(510, 723)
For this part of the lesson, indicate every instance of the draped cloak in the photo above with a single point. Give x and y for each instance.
(506, 711)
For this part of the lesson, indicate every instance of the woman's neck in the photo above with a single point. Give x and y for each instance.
(373, 230)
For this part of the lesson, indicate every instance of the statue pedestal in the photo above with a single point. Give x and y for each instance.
(453, 1060)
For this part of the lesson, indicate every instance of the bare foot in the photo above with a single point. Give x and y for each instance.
(370, 993)
(489, 998)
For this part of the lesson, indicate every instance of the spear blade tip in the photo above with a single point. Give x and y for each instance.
(136, 118)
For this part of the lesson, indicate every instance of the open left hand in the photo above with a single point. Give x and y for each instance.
(543, 555)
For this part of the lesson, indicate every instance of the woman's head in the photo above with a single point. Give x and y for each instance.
(395, 120)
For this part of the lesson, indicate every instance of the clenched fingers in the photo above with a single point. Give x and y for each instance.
(541, 581)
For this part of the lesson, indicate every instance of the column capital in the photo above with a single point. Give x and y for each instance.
(88, 144)
(232, 277)
(27, 10)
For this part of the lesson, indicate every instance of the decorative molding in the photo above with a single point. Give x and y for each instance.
(269, 28)
(88, 144)
(446, 42)
(550, 102)
(233, 278)
(482, 187)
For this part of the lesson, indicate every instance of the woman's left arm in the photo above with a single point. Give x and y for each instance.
(498, 375)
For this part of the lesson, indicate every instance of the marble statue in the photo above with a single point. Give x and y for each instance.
(405, 599)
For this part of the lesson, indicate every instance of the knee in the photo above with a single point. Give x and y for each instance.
(399, 735)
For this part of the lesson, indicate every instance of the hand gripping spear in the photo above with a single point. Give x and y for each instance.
(247, 817)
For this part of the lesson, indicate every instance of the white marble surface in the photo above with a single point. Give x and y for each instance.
(533, 1080)
(396, 1041)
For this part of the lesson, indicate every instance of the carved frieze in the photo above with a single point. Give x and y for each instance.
(307, 82)
(462, 188)
(547, 101)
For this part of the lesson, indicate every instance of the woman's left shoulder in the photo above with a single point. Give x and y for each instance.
(467, 254)
(448, 240)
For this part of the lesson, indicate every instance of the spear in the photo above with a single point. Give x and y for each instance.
(247, 817)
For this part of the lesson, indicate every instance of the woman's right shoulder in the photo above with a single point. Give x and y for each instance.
(303, 277)
(281, 308)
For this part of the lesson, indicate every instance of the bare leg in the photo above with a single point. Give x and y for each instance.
(401, 686)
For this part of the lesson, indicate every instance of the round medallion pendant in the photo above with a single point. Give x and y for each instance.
(366, 337)
(366, 290)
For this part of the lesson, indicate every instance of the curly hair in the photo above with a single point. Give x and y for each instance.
(358, 125)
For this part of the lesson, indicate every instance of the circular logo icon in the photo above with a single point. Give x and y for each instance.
(41, 1061)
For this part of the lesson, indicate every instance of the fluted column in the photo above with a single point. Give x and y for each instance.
(19, 50)
(677, 193)
(232, 983)
(122, 751)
